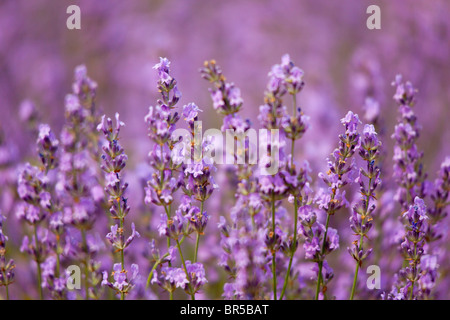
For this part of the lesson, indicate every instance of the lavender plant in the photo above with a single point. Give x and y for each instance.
(78, 185)
(244, 253)
(181, 163)
(362, 213)
(340, 173)
(34, 188)
(408, 167)
(114, 161)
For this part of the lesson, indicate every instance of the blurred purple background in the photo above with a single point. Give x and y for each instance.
(120, 41)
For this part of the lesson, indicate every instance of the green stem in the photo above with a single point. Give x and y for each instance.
(294, 249)
(196, 247)
(168, 239)
(198, 234)
(149, 278)
(185, 269)
(288, 273)
(415, 271)
(122, 259)
(157, 263)
(274, 266)
(319, 277)
(39, 272)
(7, 292)
(86, 266)
(355, 279)
(58, 259)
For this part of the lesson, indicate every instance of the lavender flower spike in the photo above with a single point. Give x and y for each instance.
(415, 220)
(361, 219)
(113, 161)
(339, 174)
(244, 253)
(408, 167)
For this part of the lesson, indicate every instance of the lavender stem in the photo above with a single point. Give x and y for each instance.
(274, 266)
(319, 278)
(39, 273)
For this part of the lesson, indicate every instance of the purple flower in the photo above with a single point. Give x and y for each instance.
(190, 112)
(350, 121)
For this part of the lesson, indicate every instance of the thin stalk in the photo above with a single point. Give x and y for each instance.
(286, 279)
(355, 279)
(168, 239)
(415, 271)
(274, 265)
(319, 278)
(39, 272)
(198, 234)
(196, 247)
(293, 140)
(122, 259)
(185, 269)
(58, 259)
(6, 285)
(149, 278)
(86, 267)
(166, 208)
(253, 222)
(157, 263)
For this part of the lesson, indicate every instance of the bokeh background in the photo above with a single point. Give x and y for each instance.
(120, 41)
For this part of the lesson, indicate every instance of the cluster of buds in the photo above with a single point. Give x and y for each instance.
(226, 96)
(408, 167)
(314, 232)
(113, 161)
(47, 147)
(340, 170)
(438, 211)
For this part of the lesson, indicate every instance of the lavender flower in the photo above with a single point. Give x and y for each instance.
(33, 189)
(246, 235)
(361, 218)
(413, 247)
(55, 284)
(440, 195)
(123, 280)
(408, 167)
(78, 186)
(169, 170)
(114, 160)
(339, 174)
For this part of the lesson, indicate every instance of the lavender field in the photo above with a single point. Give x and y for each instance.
(239, 150)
